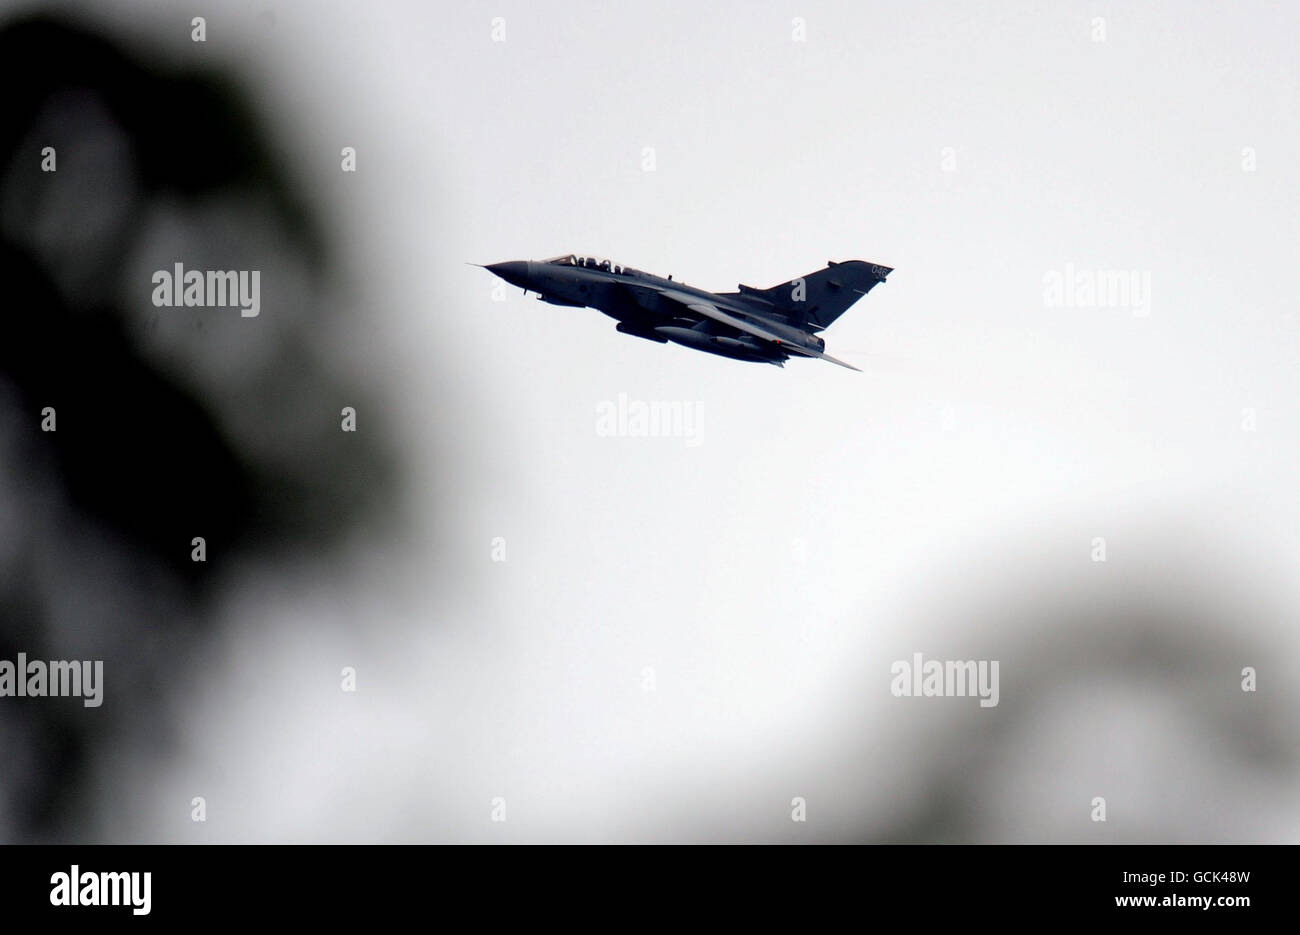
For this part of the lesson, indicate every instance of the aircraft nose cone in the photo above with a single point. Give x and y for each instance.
(512, 271)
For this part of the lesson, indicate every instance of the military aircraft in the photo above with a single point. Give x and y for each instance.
(763, 325)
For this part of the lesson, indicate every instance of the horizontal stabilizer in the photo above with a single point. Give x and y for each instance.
(820, 355)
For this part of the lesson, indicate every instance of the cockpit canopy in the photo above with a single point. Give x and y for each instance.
(589, 262)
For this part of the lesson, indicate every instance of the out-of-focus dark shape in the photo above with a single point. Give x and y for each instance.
(171, 423)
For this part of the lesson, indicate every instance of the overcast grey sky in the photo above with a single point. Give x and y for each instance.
(944, 501)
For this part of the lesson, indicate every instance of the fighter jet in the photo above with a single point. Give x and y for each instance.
(762, 325)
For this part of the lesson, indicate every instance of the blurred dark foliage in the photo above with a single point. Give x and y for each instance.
(145, 456)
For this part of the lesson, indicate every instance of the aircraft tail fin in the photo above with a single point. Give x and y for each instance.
(816, 300)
